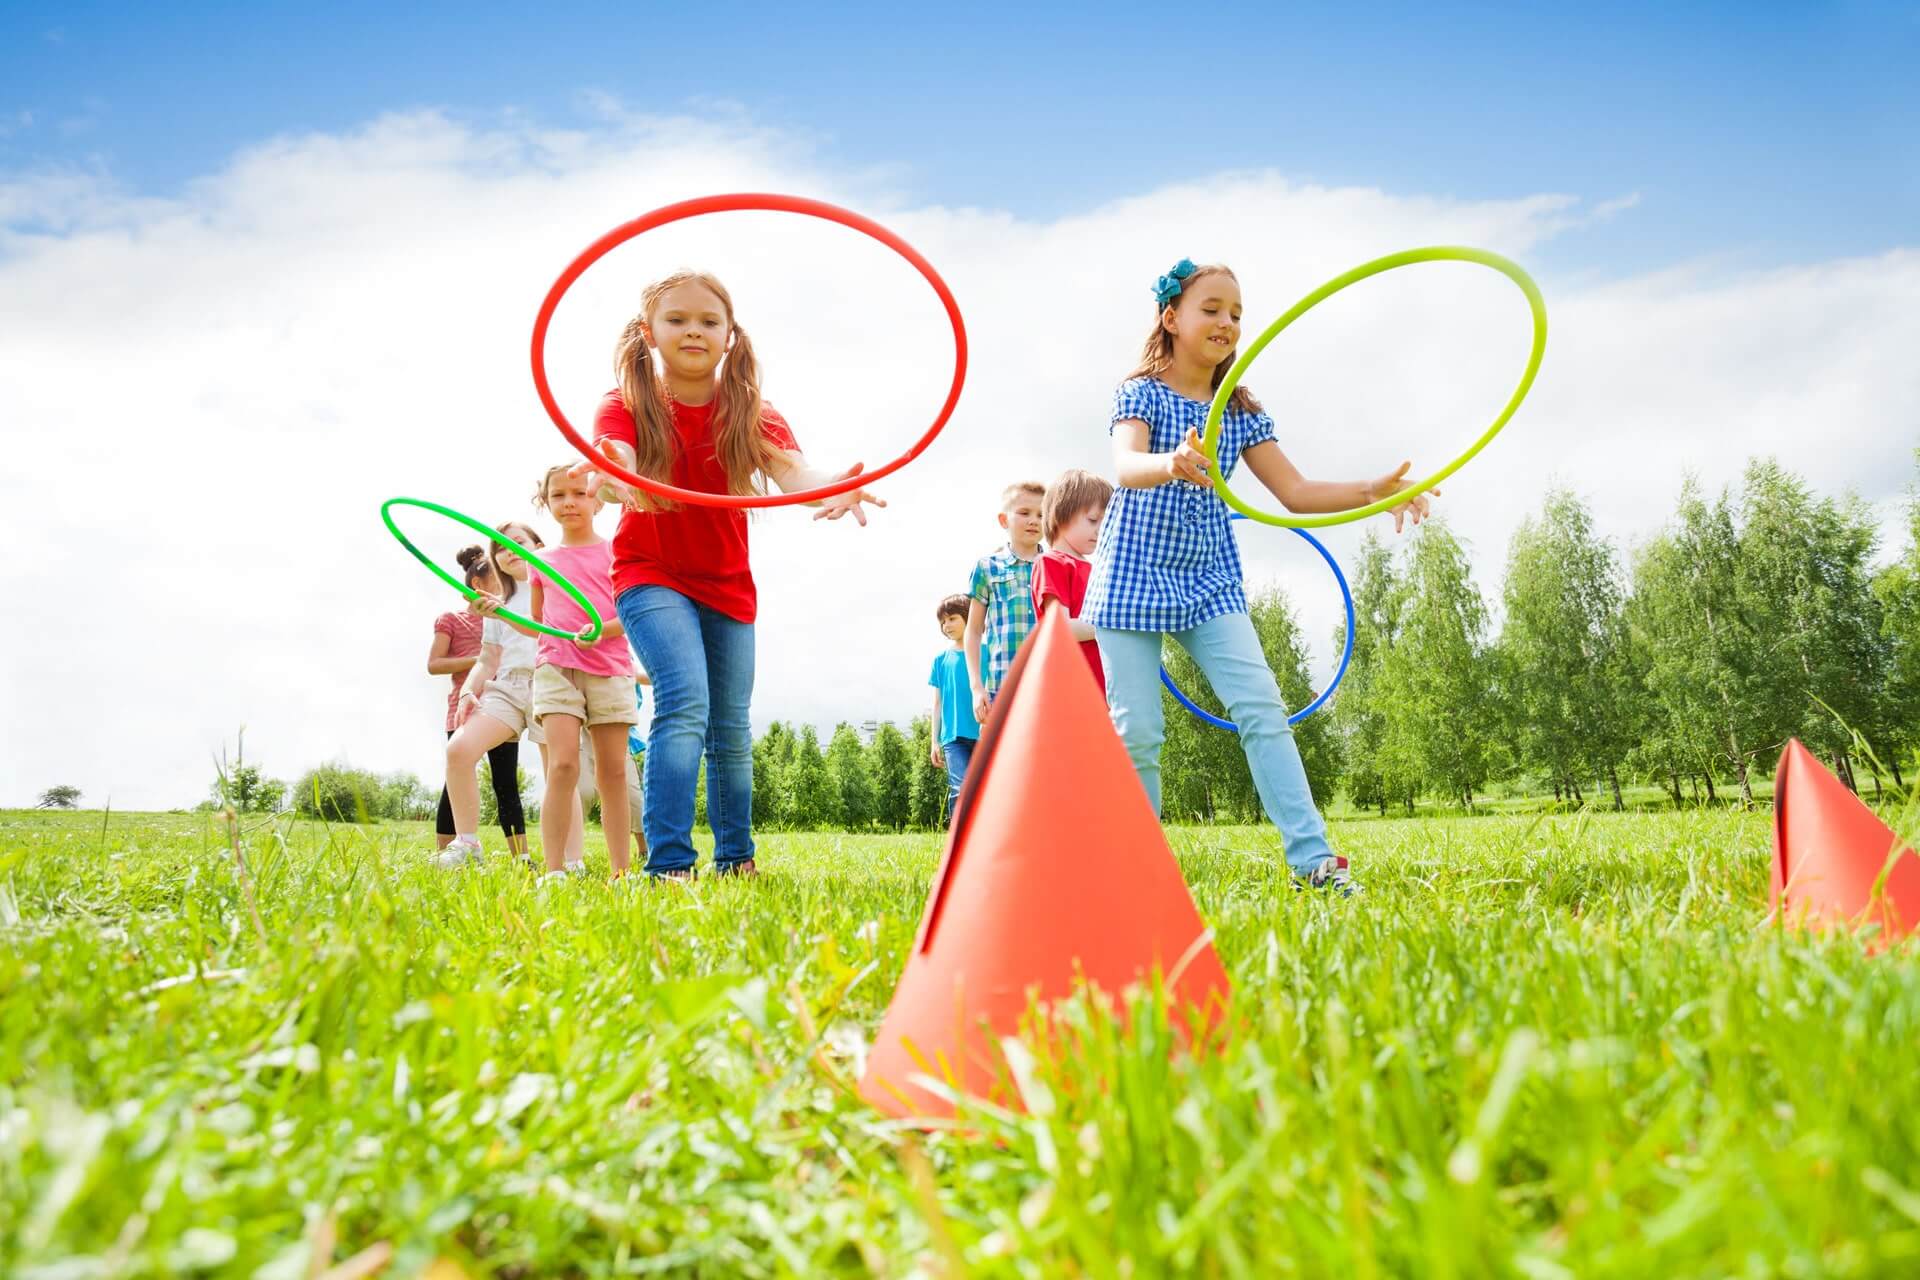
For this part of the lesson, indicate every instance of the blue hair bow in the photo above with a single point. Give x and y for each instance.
(1167, 287)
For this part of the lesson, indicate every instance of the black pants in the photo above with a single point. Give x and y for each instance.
(503, 762)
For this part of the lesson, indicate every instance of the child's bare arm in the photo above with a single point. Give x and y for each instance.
(790, 470)
(934, 732)
(1271, 466)
(976, 630)
(1136, 468)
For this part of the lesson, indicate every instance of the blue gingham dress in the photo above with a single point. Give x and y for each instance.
(1166, 559)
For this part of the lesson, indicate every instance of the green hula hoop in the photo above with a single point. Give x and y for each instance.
(587, 635)
(1438, 253)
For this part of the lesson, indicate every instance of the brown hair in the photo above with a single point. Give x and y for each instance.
(1156, 357)
(952, 607)
(738, 439)
(474, 562)
(1018, 487)
(506, 527)
(1074, 493)
(546, 480)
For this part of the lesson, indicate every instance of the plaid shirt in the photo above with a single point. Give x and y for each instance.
(1004, 583)
(1167, 559)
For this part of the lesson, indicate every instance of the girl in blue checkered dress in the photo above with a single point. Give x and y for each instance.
(1167, 562)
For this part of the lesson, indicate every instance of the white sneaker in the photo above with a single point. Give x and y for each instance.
(458, 854)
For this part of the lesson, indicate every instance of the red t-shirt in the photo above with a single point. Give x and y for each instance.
(462, 630)
(1064, 577)
(701, 552)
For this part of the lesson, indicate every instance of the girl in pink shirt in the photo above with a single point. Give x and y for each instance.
(575, 683)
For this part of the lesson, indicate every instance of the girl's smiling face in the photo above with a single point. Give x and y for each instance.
(1205, 319)
(690, 329)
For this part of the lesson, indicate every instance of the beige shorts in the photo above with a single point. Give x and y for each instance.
(590, 699)
(508, 698)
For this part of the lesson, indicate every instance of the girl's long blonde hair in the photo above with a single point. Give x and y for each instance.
(738, 441)
(1156, 357)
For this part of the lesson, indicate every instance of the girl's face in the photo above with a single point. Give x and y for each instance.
(1205, 319)
(571, 502)
(511, 564)
(484, 579)
(1082, 533)
(690, 329)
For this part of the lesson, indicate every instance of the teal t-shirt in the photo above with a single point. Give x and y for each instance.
(956, 697)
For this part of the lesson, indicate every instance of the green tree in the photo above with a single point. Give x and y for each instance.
(927, 783)
(892, 778)
(1897, 588)
(768, 794)
(851, 783)
(1703, 658)
(1436, 677)
(1359, 709)
(337, 793)
(810, 790)
(1563, 666)
(61, 797)
(1807, 588)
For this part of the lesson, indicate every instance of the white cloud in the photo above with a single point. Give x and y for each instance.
(205, 399)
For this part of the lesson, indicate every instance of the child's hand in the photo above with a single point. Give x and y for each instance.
(1392, 483)
(938, 759)
(841, 503)
(485, 604)
(586, 637)
(1189, 462)
(609, 489)
(981, 706)
(469, 703)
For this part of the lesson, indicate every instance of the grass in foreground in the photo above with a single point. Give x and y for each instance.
(1537, 1047)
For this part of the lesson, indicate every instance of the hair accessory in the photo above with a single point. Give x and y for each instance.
(1167, 287)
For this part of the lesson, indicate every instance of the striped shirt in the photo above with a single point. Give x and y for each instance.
(1166, 559)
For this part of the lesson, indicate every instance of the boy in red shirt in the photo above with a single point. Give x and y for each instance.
(1070, 518)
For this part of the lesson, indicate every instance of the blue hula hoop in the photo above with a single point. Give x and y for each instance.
(1346, 656)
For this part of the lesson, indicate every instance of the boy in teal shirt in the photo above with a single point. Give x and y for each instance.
(955, 731)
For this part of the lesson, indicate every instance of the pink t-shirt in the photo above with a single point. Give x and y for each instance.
(589, 568)
(462, 630)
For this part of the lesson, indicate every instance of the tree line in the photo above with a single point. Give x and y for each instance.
(1754, 614)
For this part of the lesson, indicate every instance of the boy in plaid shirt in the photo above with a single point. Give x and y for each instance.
(1000, 614)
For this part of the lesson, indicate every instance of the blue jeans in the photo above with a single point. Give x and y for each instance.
(1228, 653)
(959, 754)
(701, 664)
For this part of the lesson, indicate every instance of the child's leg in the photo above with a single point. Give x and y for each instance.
(730, 662)
(1132, 660)
(558, 823)
(663, 627)
(443, 817)
(503, 762)
(1228, 651)
(479, 735)
(635, 807)
(609, 750)
(959, 754)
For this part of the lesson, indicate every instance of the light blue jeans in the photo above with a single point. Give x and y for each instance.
(1229, 655)
(701, 665)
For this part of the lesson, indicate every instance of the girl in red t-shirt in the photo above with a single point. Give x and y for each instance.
(681, 580)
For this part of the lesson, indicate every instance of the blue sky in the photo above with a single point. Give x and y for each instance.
(1753, 134)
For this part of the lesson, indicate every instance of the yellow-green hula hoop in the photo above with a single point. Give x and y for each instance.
(1437, 253)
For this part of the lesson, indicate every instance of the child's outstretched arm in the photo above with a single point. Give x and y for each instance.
(1297, 493)
(935, 754)
(607, 488)
(1138, 468)
(790, 470)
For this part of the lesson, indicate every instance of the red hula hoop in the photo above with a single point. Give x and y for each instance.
(762, 201)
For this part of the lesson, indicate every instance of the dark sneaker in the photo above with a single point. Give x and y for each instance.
(1330, 874)
(744, 869)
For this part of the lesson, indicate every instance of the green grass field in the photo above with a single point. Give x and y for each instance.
(1539, 1046)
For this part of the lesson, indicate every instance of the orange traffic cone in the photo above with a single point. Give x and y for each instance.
(1833, 860)
(1056, 872)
